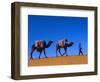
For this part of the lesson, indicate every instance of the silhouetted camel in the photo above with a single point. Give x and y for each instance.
(63, 44)
(40, 46)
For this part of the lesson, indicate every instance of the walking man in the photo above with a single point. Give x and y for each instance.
(80, 49)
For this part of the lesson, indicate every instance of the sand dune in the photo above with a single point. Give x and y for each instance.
(62, 60)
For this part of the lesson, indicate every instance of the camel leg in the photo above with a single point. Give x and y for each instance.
(45, 54)
(32, 53)
(60, 52)
(32, 50)
(56, 51)
(40, 55)
(79, 53)
(65, 51)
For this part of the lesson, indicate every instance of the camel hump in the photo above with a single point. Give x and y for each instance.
(61, 42)
(39, 43)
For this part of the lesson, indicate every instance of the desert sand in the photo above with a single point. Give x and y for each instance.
(61, 60)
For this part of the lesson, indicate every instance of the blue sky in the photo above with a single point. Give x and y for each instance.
(55, 28)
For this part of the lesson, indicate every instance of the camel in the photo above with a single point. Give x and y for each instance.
(63, 44)
(40, 46)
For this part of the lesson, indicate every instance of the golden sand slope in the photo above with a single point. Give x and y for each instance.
(62, 60)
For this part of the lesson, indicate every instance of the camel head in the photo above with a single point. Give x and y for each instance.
(66, 40)
(49, 43)
(70, 44)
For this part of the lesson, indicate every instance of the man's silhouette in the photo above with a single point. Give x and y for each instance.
(80, 49)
